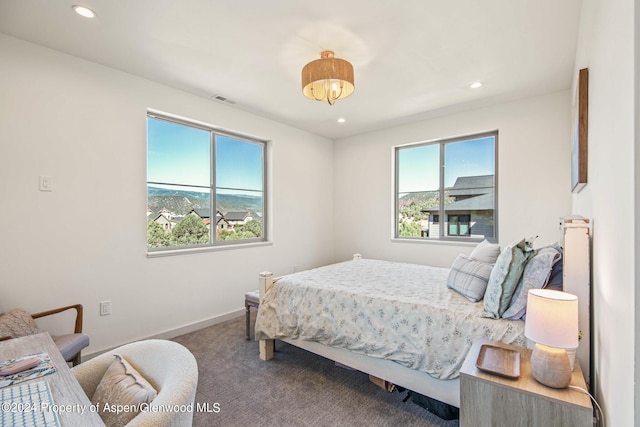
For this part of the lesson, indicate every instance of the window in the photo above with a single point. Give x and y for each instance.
(452, 179)
(205, 187)
(459, 225)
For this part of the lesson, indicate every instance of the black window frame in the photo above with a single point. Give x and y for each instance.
(459, 222)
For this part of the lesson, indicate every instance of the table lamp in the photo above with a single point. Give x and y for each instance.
(552, 323)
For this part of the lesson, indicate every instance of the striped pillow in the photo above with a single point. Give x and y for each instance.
(469, 277)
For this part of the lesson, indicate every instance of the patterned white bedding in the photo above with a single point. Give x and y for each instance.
(402, 312)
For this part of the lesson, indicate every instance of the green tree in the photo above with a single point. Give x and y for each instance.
(191, 230)
(413, 211)
(156, 236)
(227, 234)
(251, 230)
(409, 229)
(254, 228)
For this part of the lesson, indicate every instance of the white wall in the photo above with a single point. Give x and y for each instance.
(533, 178)
(605, 46)
(636, 194)
(85, 125)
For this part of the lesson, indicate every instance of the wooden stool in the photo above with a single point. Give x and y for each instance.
(251, 299)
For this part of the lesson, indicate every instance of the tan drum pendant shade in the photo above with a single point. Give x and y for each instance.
(328, 78)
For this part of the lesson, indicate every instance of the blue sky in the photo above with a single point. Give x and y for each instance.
(181, 154)
(418, 166)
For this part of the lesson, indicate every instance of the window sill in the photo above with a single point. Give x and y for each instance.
(465, 243)
(173, 252)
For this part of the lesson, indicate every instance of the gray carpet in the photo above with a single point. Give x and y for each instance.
(296, 388)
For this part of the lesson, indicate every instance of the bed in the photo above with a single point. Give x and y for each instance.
(396, 321)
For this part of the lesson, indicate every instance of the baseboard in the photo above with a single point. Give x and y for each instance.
(167, 335)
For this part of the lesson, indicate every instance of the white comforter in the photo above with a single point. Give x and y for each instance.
(396, 311)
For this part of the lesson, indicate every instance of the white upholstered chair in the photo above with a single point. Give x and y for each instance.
(168, 366)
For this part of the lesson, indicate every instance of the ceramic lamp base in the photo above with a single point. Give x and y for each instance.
(550, 366)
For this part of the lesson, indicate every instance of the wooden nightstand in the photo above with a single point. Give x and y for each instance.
(492, 400)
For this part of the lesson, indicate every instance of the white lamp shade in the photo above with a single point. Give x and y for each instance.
(552, 318)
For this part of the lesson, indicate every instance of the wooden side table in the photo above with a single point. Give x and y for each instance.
(492, 400)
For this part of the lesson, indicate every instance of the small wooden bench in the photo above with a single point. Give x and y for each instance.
(251, 299)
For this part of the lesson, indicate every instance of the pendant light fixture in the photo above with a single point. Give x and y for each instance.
(328, 78)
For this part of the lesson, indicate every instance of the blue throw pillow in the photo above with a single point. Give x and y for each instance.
(535, 276)
(505, 276)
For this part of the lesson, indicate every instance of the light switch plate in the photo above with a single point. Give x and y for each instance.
(105, 308)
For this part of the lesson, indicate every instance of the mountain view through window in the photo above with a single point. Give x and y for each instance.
(204, 187)
(446, 189)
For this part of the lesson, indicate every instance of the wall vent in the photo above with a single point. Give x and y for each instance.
(223, 99)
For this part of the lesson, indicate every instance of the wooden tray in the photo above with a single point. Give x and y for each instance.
(499, 361)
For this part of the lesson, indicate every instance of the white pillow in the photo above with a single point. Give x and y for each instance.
(469, 278)
(486, 252)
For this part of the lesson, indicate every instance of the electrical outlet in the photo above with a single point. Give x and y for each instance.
(46, 183)
(105, 308)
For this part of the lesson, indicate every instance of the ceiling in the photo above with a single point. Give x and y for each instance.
(413, 59)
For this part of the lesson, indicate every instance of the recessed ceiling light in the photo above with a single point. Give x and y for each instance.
(84, 11)
(341, 120)
(475, 85)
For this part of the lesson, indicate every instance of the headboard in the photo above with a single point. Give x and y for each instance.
(576, 244)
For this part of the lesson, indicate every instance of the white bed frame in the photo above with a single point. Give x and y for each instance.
(447, 391)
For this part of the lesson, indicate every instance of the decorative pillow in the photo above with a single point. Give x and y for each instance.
(557, 273)
(121, 385)
(486, 252)
(505, 276)
(535, 276)
(17, 323)
(469, 278)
